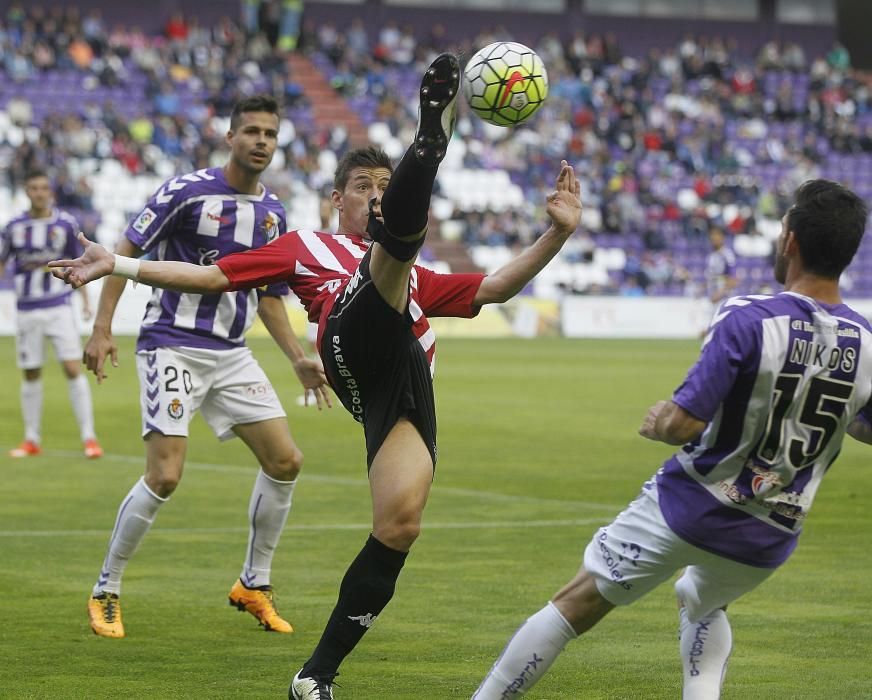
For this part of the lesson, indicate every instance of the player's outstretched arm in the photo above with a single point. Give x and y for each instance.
(670, 423)
(97, 262)
(563, 205)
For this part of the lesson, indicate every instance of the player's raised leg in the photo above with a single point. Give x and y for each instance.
(165, 457)
(268, 509)
(405, 205)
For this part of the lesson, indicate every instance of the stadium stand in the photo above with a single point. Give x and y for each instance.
(671, 135)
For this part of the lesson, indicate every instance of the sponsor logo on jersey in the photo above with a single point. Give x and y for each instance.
(271, 227)
(144, 220)
(176, 409)
(208, 256)
(764, 481)
(224, 220)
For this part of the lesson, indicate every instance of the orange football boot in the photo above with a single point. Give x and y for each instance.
(104, 612)
(93, 449)
(260, 603)
(28, 448)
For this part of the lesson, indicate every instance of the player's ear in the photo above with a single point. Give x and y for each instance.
(228, 137)
(336, 199)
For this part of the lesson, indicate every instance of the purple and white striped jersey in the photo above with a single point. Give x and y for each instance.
(199, 218)
(31, 243)
(779, 380)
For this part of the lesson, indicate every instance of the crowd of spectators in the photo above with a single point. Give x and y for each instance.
(668, 144)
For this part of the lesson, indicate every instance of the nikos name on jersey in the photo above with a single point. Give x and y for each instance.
(812, 354)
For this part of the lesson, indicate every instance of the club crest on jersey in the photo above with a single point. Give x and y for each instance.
(763, 482)
(271, 226)
(176, 409)
(144, 220)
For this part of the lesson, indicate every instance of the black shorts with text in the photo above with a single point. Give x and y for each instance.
(376, 366)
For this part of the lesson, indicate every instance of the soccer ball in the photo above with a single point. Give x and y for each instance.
(505, 83)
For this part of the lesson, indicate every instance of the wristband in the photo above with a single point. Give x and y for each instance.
(126, 267)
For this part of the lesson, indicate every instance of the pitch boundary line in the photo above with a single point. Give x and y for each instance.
(303, 527)
(348, 481)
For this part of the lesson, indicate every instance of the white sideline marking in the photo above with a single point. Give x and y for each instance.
(303, 527)
(347, 481)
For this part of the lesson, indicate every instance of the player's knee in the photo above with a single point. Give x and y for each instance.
(72, 369)
(163, 484)
(286, 465)
(400, 533)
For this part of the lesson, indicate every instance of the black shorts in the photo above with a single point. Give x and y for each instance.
(376, 365)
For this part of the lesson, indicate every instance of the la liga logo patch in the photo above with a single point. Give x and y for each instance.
(144, 220)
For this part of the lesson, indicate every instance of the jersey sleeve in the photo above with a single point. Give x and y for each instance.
(154, 222)
(277, 289)
(448, 295)
(729, 348)
(272, 265)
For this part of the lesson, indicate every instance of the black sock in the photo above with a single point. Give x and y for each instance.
(366, 589)
(406, 201)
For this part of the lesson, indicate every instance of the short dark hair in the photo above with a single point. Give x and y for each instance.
(35, 173)
(828, 221)
(367, 157)
(255, 103)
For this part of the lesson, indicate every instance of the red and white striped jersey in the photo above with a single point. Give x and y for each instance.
(317, 266)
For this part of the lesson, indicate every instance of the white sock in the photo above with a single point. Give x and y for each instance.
(80, 397)
(31, 409)
(135, 516)
(705, 649)
(529, 653)
(267, 513)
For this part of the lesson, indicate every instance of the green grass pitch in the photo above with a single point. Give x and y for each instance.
(538, 446)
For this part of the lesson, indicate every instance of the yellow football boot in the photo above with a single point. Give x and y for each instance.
(104, 612)
(259, 602)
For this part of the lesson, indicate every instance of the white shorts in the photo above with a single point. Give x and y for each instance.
(228, 386)
(58, 324)
(638, 551)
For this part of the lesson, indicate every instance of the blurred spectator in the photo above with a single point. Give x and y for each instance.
(289, 27)
(269, 17)
(176, 28)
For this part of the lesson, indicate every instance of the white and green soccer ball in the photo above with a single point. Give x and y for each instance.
(505, 83)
